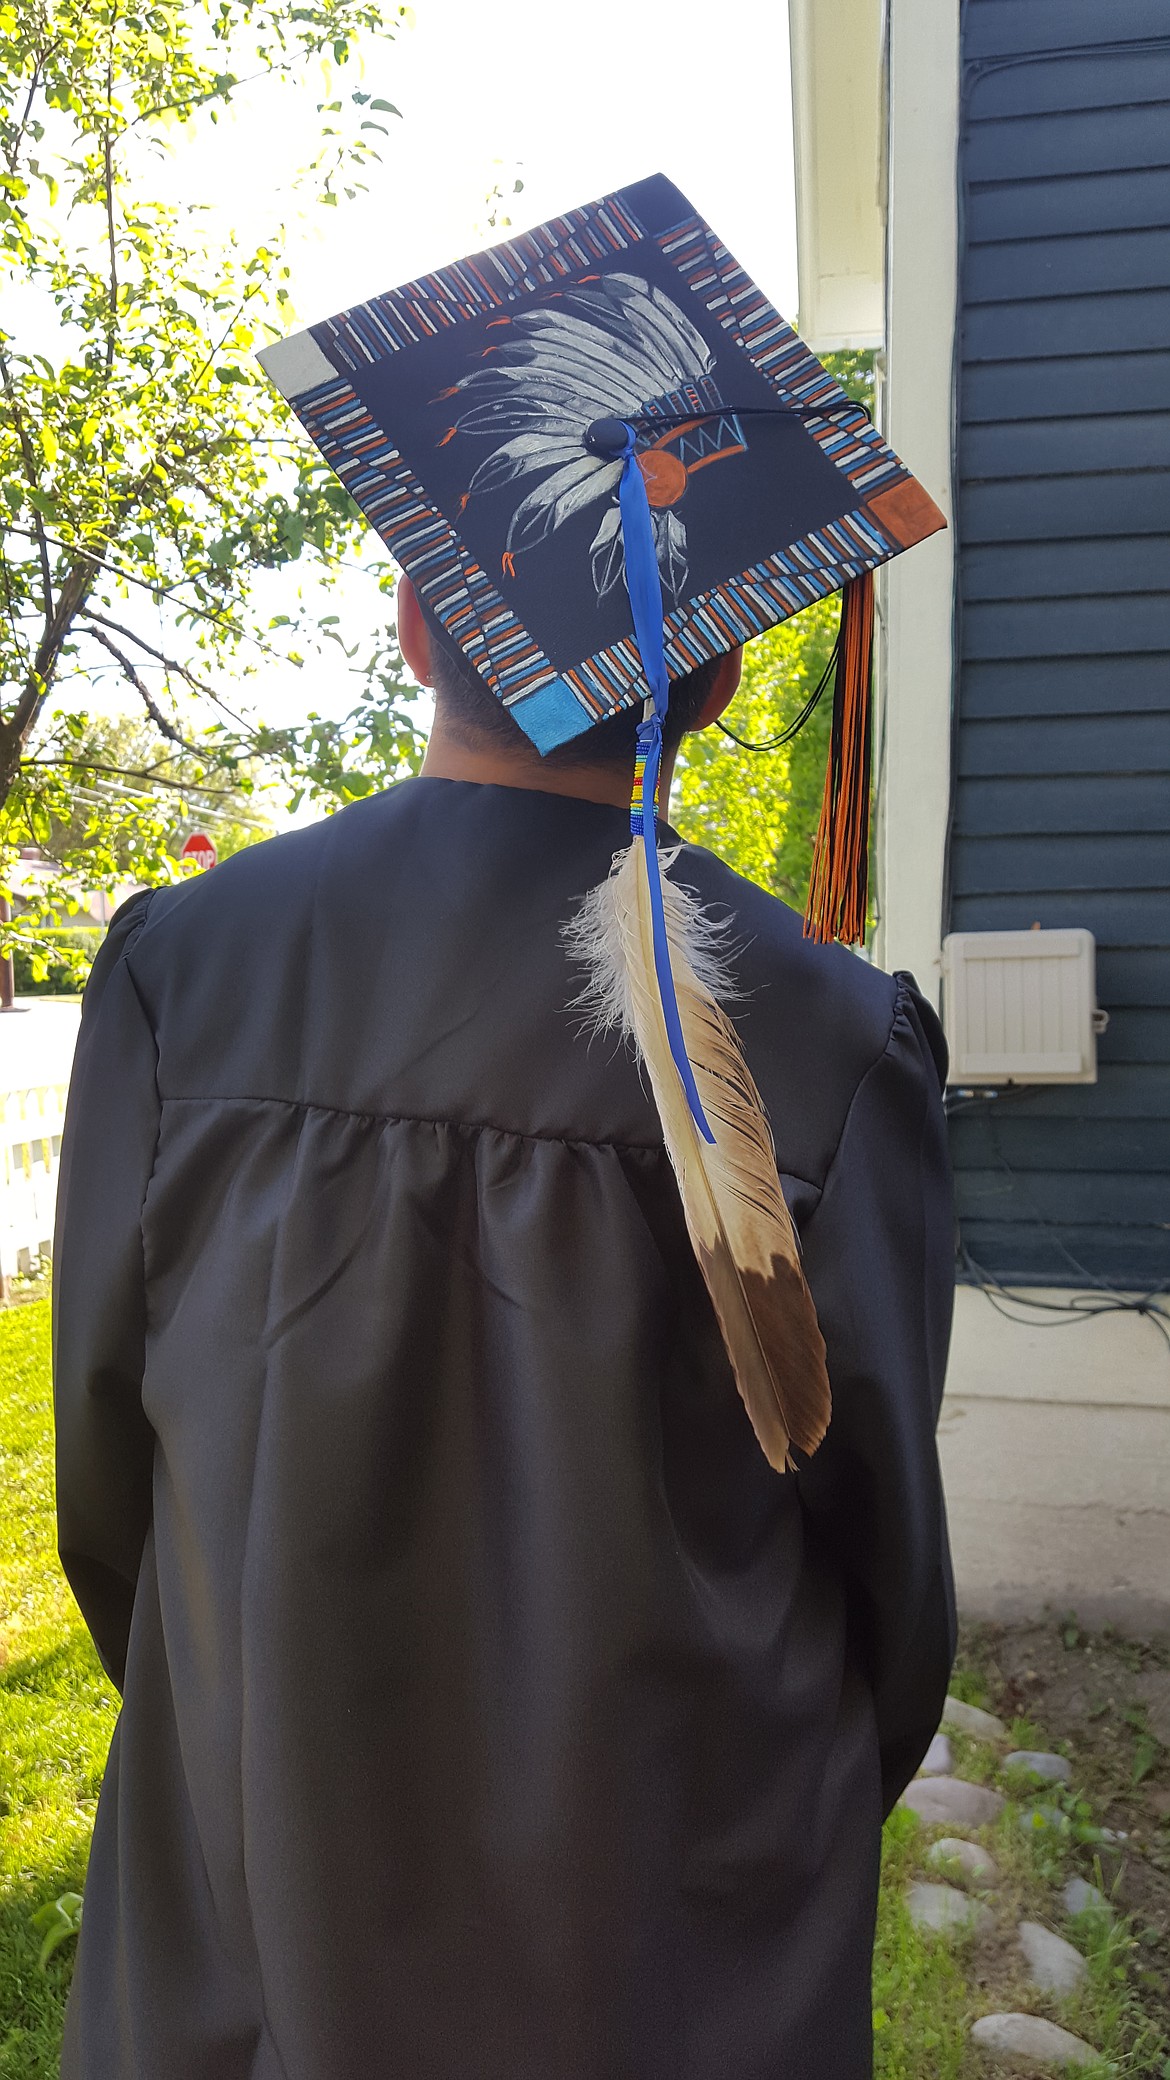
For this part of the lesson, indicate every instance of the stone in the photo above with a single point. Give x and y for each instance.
(1026, 2039)
(938, 1760)
(1053, 1965)
(1082, 1898)
(941, 1907)
(1055, 1769)
(967, 1718)
(965, 1860)
(939, 1799)
(1034, 1818)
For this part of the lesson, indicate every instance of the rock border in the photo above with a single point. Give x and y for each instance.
(939, 1795)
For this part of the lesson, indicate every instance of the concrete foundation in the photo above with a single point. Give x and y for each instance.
(1055, 1444)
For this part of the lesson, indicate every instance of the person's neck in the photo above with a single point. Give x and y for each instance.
(451, 757)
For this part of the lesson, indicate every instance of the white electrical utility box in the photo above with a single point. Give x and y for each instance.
(1021, 1007)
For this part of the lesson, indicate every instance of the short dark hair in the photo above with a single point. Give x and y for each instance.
(473, 710)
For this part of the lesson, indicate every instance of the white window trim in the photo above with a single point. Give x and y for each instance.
(916, 592)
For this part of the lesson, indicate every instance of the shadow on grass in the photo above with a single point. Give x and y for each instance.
(56, 1668)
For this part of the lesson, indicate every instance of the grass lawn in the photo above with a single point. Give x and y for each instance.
(57, 1710)
(57, 1714)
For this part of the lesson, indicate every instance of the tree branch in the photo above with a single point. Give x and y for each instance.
(12, 157)
(171, 663)
(32, 476)
(212, 93)
(115, 570)
(15, 728)
(151, 778)
(111, 236)
(19, 641)
(165, 728)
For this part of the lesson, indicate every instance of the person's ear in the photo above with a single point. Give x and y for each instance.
(414, 637)
(724, 688)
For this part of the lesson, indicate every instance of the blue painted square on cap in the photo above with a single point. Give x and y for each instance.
(551, 716)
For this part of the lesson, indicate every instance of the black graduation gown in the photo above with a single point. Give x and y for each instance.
(492, 1711)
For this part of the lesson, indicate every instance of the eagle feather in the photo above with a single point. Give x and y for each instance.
(740, 1227)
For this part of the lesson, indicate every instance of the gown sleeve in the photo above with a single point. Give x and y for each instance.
(104, 1444)
(879, 1256)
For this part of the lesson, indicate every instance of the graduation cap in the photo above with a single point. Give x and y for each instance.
(603, 458)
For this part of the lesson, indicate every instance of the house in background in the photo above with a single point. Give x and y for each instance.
(983, 193)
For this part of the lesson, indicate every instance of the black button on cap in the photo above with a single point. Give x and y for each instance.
(607, 437)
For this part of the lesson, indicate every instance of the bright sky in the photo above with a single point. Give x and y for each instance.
(572, 101)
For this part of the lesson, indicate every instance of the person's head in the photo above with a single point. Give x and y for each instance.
(470, 714)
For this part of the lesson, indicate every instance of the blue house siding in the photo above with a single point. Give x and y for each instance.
(1062, 786)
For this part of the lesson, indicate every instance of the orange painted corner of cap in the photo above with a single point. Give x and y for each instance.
(664, 475)
(906, 512)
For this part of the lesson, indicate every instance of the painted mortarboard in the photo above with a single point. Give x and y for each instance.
(603, 457)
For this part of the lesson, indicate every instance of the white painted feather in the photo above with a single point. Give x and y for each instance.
(739, 1224)
(670, 543)
(581, 396)
(629, 306)
(656, 316)
(566, 339)
(523, 455)
(569, 346)
(569, 490)
(512, 415)
(649, 362)
(607, 553)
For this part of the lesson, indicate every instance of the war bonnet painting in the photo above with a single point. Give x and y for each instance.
(613, 347)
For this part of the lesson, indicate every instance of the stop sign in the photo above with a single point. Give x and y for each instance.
(199, 849)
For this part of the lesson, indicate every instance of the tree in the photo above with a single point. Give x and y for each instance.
(149, 474)
(759, 809)
(121, 781)
(129, 801)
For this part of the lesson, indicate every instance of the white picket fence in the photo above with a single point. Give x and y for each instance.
(36, 1055)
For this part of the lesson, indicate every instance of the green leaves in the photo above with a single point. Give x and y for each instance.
(58, 1919)
(149, 476)
(376, 743)
(1147, 1748)
(759, 809)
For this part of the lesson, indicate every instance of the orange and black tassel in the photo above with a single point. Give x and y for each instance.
(838, 893)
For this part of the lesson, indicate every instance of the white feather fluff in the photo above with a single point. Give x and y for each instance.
(704, 944)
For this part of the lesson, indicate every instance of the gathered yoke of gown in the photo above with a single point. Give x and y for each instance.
(491, 1710)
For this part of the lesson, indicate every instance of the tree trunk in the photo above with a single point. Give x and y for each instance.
(7, 972)
(17, 727)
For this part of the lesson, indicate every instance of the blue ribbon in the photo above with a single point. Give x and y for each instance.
(644, 585)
